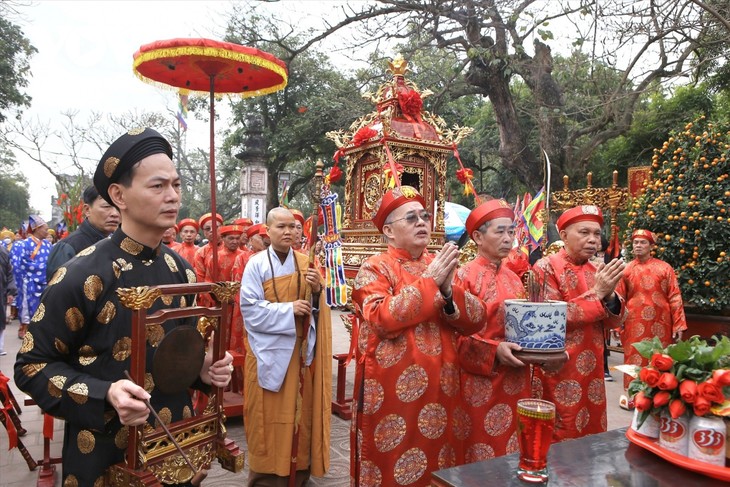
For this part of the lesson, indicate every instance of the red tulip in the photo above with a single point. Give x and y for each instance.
(650, 376)
(662, 362)
(676, 408)
(667, 382)
(688, 391)
(661, 398)
(721, 377)
(642, 402)
(711, 391)
(701, 406)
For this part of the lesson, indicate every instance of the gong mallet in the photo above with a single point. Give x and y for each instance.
(199, 475)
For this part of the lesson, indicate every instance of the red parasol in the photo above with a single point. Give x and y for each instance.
(210, 66)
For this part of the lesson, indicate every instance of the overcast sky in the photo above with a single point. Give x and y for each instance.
(84, 63)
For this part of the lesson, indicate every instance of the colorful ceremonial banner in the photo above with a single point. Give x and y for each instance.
(638, 177)
(533, 215)
(182, 109)
(335, 285)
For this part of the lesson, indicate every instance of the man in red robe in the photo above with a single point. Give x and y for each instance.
(653, 299)
(578, 389)
(228, 251)
(245, 224)
(492, 378)
(204, 256)
(408, 417)
(188, 231)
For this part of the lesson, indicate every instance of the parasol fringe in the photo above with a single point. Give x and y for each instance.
(211, 52)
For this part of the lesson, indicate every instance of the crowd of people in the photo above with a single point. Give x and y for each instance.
(436, 384)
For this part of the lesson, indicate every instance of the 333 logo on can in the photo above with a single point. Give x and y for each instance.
(671, 430)
(709, 441)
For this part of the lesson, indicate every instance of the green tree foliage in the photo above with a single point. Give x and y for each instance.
(318, 98)
(14, 206)
(15, 52)
(686, 205)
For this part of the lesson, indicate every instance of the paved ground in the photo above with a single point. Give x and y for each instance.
(14, 473)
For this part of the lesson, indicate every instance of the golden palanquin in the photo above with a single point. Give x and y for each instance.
(417, 140)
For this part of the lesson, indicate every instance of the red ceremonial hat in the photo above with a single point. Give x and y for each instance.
(298, 215)
(488, 211)
(209, 216)
(263, 232)
(391, 200)
(244, 222)
(188, 222)
(641, 233)
(585, 213)
(253, 230)
(231, 230)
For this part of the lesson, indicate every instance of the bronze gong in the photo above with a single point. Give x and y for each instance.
(178, 360)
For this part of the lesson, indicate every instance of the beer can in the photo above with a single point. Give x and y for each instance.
(707, 440)
(650, 426)
(674, 433)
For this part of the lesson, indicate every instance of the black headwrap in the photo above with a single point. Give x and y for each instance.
(124, 153)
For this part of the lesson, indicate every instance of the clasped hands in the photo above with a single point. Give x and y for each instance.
(127, 398)
(608, 277)
(443, 267)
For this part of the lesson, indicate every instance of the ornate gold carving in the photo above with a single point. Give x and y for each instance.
(74, 319)
(174, 470)
(60, 346)
(398, 66)
(140, 297)
(226, 292)
(205, 323)
(79, 392)
(107, 313)
(171, 263)
(155, 334)
(87, 355)
(110, 166)
(57, 276)
(131, 246)
(30, 370)
(122, 349)
(372, 191)
(92, 287)
(40, 312)
(27, 345)
(85, 441)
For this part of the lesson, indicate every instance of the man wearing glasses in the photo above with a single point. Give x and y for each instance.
(408, 418)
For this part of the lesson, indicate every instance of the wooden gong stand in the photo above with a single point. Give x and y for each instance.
(151, 458)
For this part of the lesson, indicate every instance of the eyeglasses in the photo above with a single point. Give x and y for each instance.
(412, 217)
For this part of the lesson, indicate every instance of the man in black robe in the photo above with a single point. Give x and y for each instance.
(73, 358)
(101, 220)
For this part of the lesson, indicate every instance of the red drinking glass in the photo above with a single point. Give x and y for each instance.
(535, 424)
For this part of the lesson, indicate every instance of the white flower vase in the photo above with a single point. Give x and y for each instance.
(674, 433)
(650, 426)
(535, 326)
(707, 440)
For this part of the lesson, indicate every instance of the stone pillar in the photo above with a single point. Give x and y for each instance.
(254, 173)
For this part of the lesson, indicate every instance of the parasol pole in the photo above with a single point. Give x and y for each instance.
(213, 209)
(317, 198)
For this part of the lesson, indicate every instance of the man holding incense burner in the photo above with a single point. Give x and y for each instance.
(578, 389)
